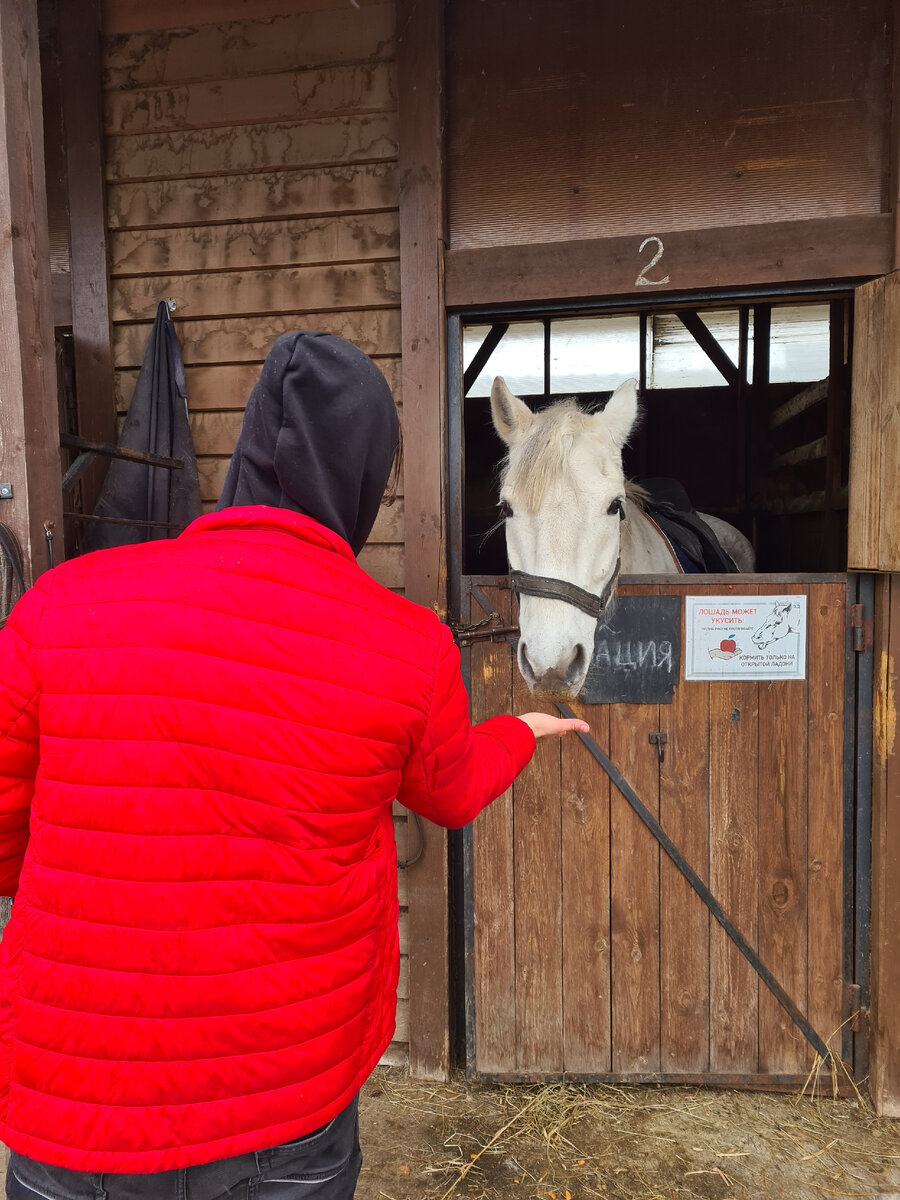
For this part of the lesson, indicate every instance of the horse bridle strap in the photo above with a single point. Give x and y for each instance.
(547, 588)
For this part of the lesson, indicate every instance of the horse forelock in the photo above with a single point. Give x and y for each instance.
(544, 456)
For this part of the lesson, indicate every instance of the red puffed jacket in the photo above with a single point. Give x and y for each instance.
(200, 744)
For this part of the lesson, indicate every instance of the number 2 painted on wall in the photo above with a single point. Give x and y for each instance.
(642, 280)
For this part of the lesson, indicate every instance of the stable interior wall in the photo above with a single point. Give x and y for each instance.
(251, 170)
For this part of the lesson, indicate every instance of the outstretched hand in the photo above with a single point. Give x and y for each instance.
(544, 726)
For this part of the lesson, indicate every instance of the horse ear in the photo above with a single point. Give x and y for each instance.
(512, 416)
(620, 415)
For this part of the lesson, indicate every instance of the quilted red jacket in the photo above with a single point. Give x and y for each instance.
(200, 744)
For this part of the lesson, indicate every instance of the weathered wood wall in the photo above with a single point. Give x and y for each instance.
(251, 171)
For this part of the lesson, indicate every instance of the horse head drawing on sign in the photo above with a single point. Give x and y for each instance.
(572, 524)
(782, 620)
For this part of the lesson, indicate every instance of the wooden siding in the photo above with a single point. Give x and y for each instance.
(129, 16)
(251, 178)
(251, 172)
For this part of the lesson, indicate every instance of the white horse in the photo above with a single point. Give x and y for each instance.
(571, 516)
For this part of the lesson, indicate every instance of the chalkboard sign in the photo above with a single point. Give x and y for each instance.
(637, 656)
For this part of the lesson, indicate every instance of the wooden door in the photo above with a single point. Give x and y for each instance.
(590, 956)
(874, 522)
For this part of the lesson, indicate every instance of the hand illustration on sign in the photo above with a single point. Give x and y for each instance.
(727, 648)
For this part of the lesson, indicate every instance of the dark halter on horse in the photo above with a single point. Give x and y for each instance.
(559, 589)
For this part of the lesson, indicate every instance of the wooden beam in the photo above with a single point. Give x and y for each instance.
(893, 181)
(812, 394)
(29, 422)
(821, 501)
(482, 355)
(874, 521)
(778, 252)
(693, 323)
(420, 75)
(808, 452)
(79, 41)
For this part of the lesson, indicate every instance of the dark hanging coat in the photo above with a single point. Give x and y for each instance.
(157, 423)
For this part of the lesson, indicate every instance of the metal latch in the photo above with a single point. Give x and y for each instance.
(852, 1005)
(861, 627)
(659, 740)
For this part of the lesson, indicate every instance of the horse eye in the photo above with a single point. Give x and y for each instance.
(617, 506)
(505, 511)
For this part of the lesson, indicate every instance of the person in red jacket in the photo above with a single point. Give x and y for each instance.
(200, 743)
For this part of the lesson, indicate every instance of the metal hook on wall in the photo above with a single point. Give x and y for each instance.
(171, 305)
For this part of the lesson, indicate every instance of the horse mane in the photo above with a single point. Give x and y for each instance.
(636, 494)
(544, 455)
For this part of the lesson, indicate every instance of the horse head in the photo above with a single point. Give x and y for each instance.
(562, 496)
(780, 622)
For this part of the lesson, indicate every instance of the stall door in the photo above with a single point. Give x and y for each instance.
(588, 953)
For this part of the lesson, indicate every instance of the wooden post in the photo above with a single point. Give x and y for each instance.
(29, 421)
(420, 74)
(884, 1029)
(79, 41)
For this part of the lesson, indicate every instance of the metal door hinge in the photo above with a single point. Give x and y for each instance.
(861, 627)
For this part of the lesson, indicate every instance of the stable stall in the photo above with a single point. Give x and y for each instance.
(701, 220)
(702, 196)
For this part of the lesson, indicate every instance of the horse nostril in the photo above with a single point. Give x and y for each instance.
(525, 666)
(577, 666)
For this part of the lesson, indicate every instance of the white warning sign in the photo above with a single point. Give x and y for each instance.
(745, 637)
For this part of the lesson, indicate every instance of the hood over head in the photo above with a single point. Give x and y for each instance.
(319, 436)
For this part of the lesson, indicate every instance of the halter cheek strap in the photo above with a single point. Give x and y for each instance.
(547, 588)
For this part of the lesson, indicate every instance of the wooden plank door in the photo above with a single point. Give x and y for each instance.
(591, 956)
(874, 517)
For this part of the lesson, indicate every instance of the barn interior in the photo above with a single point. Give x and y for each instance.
(746, 404)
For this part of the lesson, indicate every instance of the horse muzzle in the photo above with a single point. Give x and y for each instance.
(558, 682)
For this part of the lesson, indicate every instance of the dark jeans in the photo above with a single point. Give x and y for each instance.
(323, 1165)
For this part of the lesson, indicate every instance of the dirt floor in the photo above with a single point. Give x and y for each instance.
(560, 1142)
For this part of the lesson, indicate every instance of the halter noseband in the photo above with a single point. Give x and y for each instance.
(547, 588)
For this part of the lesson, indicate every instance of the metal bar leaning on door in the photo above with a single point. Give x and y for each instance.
(703, 892)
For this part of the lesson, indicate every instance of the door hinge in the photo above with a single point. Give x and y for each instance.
(852, 1005)
(861, 627)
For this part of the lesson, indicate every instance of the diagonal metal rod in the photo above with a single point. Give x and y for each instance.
(482, 354)
(702, 891)
(706, 340)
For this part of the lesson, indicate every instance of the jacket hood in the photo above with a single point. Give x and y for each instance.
(318, 437)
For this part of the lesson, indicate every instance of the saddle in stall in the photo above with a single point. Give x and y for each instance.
(694, 544)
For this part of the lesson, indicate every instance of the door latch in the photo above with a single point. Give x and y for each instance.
(861, 628)
(659, 740)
